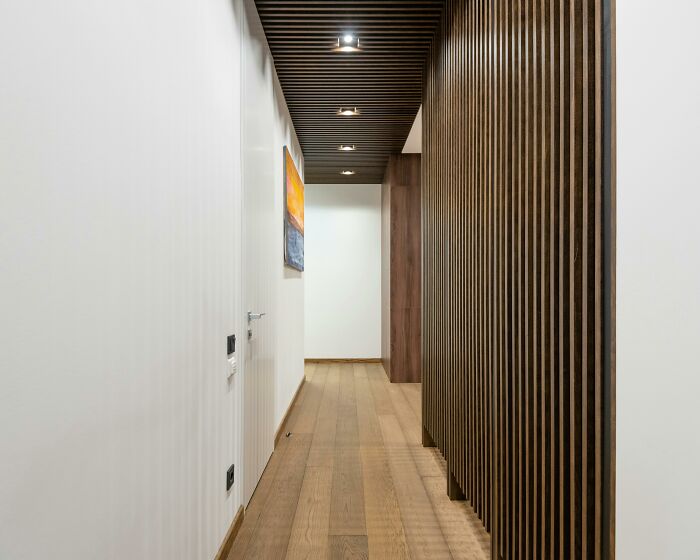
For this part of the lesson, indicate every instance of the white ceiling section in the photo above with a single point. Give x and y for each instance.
(414, 141)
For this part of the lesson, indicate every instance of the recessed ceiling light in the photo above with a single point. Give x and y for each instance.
(348, 112)
(347, 49)
(347, 172)
(347, 148)
(349, 44)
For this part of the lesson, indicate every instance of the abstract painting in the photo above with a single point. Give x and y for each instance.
(293, 214)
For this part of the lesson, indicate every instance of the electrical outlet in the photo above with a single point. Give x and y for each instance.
(229, 477)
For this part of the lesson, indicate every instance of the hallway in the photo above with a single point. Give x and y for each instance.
(258, 256)
(353, 480)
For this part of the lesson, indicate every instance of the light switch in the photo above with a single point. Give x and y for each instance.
(232, 365)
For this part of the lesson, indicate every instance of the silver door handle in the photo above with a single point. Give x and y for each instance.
(255, 316)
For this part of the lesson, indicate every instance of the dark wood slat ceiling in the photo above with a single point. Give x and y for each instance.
(383, 80)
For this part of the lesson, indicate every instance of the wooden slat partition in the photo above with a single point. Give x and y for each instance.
(517, 261)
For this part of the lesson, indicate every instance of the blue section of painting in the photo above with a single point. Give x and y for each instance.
(294, 249)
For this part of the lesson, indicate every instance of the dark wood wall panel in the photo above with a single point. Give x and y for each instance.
(401, 268)
(516, 391)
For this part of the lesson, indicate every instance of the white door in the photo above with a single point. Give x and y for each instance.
(260, 248)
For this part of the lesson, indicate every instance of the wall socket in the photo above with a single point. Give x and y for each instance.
(229, 477)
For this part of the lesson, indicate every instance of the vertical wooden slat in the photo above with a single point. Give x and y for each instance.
(545, 371)
(597, 283)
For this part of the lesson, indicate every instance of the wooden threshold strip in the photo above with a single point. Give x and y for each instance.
(342, 360)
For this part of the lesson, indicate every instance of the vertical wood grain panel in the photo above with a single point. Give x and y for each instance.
(401, 269)
(517, 312)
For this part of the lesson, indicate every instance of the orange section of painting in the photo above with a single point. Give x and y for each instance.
(295, 194)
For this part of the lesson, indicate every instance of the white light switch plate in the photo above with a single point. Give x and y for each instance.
(232, 365)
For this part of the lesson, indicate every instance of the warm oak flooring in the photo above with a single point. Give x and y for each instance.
(353, 480)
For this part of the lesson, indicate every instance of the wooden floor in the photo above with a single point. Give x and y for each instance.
(353, 480)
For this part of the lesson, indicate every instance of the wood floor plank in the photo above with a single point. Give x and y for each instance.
(432, 463)
(427, 459)
(271, 535)
(347, 430)
(405, 414)
(347, 385)
(462, 528)
(360, 370)
(347, 499)
(349, 548)
(412, 391)
(378, 383)
(367, 421)
(309, 370)
(385, 532)
(423, 532)
(314, 389)
(309, 535)
(323, 443)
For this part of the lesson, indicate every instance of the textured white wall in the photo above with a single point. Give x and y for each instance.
(120, 219)
(343, 274)
(658, 278)
(277, 349)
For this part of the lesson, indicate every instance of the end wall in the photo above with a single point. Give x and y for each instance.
(342, 276)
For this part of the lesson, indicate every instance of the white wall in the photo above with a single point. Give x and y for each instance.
(414, 141)
(275, 366)
(658, 278)
(120, 222)
(343, 271)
